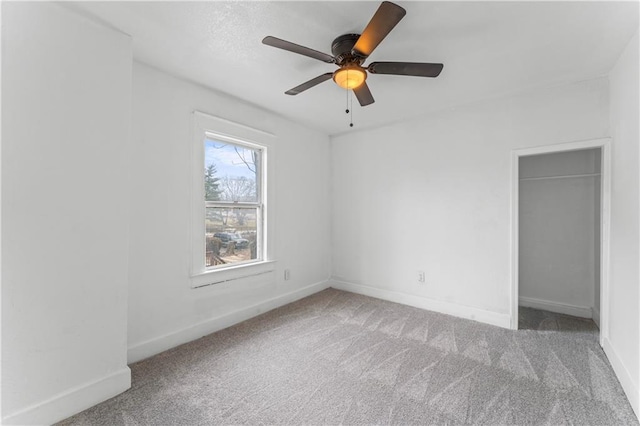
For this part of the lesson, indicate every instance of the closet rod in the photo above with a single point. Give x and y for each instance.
(561, 177)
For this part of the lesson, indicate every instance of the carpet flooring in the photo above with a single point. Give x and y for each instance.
(342, 358)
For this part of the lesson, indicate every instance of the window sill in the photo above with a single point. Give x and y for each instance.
(231, 273)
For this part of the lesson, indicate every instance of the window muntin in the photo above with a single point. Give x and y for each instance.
(233, 203)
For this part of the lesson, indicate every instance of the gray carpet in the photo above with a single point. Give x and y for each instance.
(338, 357)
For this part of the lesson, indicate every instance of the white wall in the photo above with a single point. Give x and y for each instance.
(163, 309)
(66, 129)
(624, 306)
(558, 231)
(433, 194)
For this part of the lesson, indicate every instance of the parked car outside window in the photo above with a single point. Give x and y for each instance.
(227, 237)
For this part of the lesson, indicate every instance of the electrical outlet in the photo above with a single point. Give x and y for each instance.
(287, 274)
(421, 277)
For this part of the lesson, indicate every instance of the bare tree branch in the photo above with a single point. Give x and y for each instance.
(247, 163)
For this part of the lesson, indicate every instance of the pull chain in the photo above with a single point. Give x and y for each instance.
(351, 108)
(349, 100)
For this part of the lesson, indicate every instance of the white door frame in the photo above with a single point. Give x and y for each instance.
(605, 213)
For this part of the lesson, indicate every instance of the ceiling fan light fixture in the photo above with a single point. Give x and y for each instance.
(350, 77)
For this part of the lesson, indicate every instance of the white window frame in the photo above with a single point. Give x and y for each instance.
(207, 126)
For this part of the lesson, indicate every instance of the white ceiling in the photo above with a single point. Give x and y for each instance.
(489, 49)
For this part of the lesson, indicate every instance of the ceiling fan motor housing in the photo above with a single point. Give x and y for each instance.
(342, 47)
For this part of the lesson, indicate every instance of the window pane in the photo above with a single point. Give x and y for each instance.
(231, 235)
(230, 172)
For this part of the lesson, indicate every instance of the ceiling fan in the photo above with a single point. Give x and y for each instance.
(351, 50)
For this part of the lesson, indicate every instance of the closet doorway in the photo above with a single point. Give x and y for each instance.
(559, 224)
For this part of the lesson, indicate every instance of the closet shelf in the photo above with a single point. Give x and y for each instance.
(561, 177)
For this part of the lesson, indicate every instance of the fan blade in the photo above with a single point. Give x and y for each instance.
(309, 84)
(296, 48)
(417, 69)
(386, 17)
(364, 94)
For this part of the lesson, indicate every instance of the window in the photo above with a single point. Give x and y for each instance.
(233, 202)
(229, 199)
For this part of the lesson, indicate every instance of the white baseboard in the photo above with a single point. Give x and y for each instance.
(628, 385)
(560, 308)
(159, 344)
(72, 401)
(461, 311)
(595, 314)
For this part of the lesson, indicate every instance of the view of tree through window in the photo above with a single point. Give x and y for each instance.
(232, 198)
